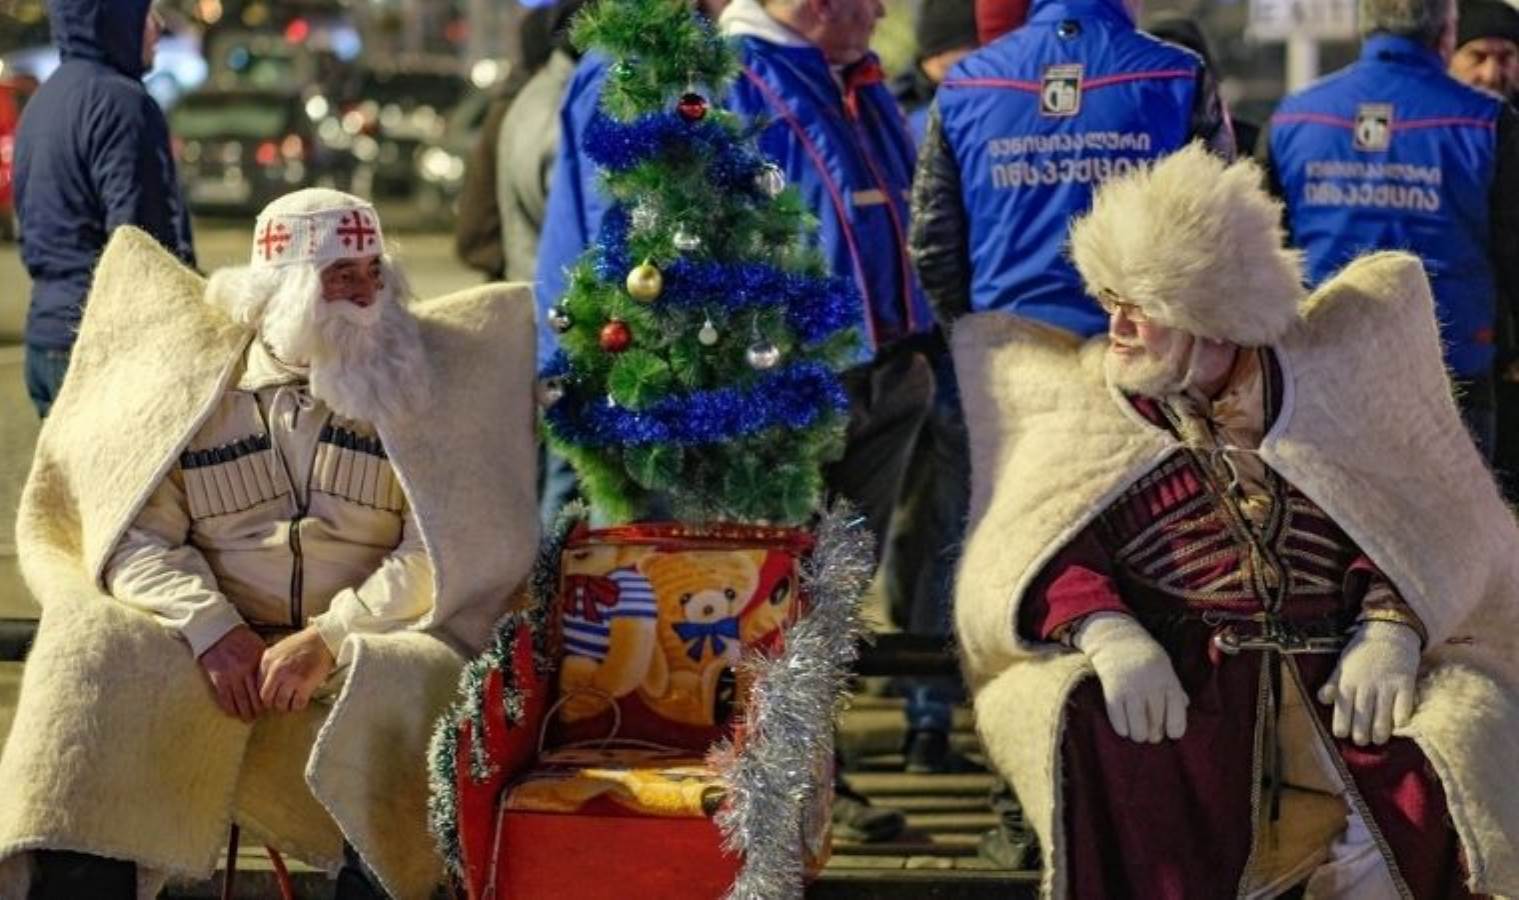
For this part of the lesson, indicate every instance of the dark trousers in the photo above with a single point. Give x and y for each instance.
(44, 373)
(1477, 399)
(923, 547)
(66, 875)
(888, 401)
(906, 466)
(1506, 453)
(355, 880)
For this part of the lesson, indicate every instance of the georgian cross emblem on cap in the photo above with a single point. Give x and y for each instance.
(355, 231)
(274, 240)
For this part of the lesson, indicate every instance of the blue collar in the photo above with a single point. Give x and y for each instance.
(1394, 48)
(1055, 10)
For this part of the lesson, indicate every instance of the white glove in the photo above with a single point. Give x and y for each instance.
(1144, 696)
(1372, 686)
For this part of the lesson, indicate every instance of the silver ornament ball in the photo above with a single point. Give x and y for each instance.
(643, 217)
(550, 390)
(708, 334)
(771, 180)
(559, 319)
(686, 241)
(763, 355)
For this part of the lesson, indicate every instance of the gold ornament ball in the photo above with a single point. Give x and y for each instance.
(645, 282)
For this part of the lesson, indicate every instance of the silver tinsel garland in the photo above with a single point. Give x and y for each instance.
(780, 765)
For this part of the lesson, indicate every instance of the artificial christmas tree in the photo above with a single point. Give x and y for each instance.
(658, 718)
(700, 336)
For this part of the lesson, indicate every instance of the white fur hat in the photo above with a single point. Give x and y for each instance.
(1197, 244)
(316, 226)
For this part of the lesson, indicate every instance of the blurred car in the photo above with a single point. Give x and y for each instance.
(402, 112)
(239, 149)
(13, 96)
(440, 165)
(257, 60)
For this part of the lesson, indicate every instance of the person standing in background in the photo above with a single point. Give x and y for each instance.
(92, 153)
(946, 31)
(527, 142)
(1487, 47)
(477, 229)
(1020, 135)
(1393, 154)
(1487, 56)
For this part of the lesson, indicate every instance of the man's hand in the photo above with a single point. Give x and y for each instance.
(232, 665)
(1144, 697)
(293, 669)
(1372, 686)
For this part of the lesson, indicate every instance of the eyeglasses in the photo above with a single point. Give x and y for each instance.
(1112, 305)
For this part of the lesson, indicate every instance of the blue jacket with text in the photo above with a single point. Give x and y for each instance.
(1390, 153)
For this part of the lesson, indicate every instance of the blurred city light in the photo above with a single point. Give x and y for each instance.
(485, 73)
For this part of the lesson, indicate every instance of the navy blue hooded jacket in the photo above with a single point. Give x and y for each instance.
(92, 153)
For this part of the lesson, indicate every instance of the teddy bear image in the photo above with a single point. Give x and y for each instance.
(699, 594)
(608, 620)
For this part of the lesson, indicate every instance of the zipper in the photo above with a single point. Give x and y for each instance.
(1352, 793)
(303, 505)
(302, 501)
(898, 232)
(297, 572)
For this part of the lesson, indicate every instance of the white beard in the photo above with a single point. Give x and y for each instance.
(366, 362)
(1150, 376)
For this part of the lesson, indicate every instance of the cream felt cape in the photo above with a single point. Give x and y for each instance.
(1368, 430)
(117, 746)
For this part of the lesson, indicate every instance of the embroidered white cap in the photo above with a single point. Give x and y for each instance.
(316, 226)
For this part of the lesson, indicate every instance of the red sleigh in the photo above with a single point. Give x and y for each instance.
(656, 724)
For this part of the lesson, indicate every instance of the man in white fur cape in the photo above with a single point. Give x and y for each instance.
(267, 519)
(1256, 518)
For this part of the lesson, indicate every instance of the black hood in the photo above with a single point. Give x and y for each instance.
(107, 31)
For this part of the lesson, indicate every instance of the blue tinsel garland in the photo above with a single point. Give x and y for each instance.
(794, 397)
(619, 146)
(815, 306)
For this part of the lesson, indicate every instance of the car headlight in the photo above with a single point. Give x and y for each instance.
(437, 164)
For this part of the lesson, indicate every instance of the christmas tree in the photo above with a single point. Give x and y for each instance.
(700, 335)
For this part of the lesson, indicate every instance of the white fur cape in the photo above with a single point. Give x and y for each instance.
(117, 746)
(1368, 430)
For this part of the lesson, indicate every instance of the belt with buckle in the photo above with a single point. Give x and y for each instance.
(1269, 634)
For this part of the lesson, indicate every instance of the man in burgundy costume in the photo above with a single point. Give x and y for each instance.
(1254, 515)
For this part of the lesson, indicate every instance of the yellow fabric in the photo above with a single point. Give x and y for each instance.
(645, 782)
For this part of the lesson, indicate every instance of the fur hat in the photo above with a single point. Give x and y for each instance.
(1197, 244)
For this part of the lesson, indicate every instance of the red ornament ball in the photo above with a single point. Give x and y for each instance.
(616, 336)
(692, 107)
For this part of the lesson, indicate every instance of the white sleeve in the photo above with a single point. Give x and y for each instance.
(393, 597)
(155, 569)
